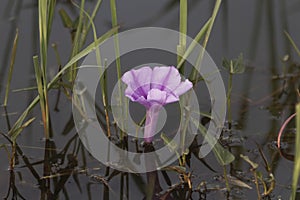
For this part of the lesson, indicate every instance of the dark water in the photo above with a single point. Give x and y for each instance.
(260, 104)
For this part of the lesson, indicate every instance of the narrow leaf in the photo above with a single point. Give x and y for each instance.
(11, 66)
(292, 42)
(67, 21)
(15, 129)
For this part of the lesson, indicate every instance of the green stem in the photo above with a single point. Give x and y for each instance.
(229, 99)
(181, 48)
(114, 20)
(103, 83)
(296, 172)
(226, 178)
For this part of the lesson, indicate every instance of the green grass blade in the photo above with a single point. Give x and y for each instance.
(183, 22)
(222, 155)
(14, 131)
(83, 53)
(43, 30)
(116, 39)
(297, 154)
(82, 31)
(77, 40)
(98, 56)
(43, 102)
(11, 67)
(67, 21)
(25, 89)
(114, 20)
(19, 129)
(90, 23)
(96, 8)
(99, 63)
(183, 31)
(194, 73)
(292, 42)
(46, 11)
(50, 15)
(193, 44)
(38, 76)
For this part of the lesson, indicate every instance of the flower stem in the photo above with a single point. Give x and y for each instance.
(152, 114)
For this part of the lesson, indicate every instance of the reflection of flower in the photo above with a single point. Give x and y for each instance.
(154, 88)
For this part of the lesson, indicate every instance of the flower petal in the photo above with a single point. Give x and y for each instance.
(165, 78)
(172, 98)
(183, 87)
(158, 86)
(131, 94)
(157, 96)
(138, 81)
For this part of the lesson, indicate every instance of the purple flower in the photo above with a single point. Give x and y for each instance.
(154, 88)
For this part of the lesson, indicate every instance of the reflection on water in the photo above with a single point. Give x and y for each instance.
(263, 97)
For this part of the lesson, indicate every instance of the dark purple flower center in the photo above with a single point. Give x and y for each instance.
(142, 91)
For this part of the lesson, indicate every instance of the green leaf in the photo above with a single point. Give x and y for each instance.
(223, 156)
(193, 44)
(11, 66)
(67, 21)
(234, 66)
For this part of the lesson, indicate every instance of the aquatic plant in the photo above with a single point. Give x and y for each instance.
(154, 88)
